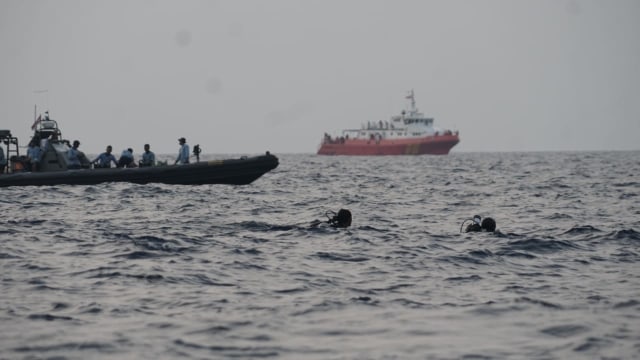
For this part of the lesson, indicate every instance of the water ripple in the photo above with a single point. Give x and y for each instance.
(158, 271)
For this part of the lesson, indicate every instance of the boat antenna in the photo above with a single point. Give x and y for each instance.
(413, 100)
(35, 107)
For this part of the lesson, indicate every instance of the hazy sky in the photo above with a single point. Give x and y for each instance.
(249, 76)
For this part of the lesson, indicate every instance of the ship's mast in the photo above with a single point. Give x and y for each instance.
(413, 102)
(413, 99)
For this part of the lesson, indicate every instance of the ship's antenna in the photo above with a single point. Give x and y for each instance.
(35, 107)
(413, 100)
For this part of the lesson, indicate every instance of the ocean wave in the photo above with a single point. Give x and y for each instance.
(234, 351)
(543, 303)
(631, 236)
(161, 271)
(581, 230)
(340, 257)
(68, 347)
(48, 317)
(565, 331)
(139, 255)
(540, 246)
(593, 344)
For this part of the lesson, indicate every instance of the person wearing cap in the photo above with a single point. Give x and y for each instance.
(103, 161)
(183, 153)
(148, 157)
(73, 156)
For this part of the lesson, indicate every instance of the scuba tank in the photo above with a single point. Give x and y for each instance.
(476, 224)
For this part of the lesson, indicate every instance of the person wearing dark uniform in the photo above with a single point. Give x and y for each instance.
(479, 224)
(488, 224)
(340, 220)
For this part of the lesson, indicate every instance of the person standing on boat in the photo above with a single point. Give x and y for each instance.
(103, 161)
(34, 154)
(183, 154)
(73, 156)
(148, 157)
(126, 158)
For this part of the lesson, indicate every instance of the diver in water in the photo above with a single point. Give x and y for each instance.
(342, 219)
(478, 224)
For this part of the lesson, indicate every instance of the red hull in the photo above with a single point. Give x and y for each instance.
(431, 145)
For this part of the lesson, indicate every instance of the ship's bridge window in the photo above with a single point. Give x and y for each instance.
(48, 124)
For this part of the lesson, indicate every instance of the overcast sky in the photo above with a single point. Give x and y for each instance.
(249, 76)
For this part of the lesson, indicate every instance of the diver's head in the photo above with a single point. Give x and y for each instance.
(477, 219)
(342, 219)
(488, 224)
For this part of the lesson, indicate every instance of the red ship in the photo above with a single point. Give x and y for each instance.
(410, 133)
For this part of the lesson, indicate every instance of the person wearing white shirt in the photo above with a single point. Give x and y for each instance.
(183, 154)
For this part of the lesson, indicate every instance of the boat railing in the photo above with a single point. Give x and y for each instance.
(48, 129)
(12, 150)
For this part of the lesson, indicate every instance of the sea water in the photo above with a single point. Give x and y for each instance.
(126, 271)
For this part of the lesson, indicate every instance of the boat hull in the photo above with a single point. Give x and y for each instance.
(232, 171)
(430, 145)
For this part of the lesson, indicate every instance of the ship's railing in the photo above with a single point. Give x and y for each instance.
(12, 150)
